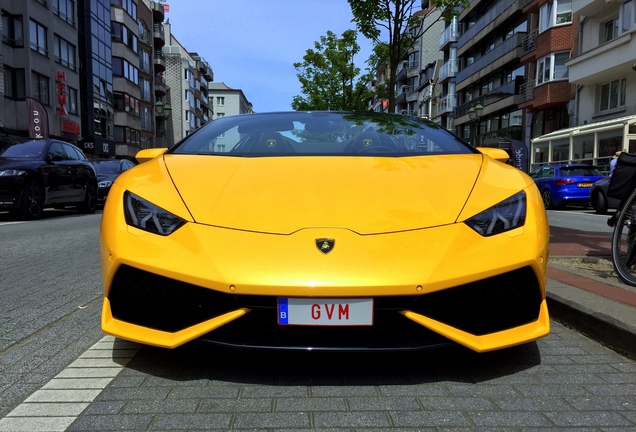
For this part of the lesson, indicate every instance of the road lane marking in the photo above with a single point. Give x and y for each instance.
(60, 402)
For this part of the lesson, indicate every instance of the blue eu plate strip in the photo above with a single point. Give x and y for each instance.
(283, 311)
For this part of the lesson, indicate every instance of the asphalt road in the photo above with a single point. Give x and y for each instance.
(50, 299)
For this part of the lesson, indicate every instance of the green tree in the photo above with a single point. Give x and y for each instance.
(403, 22)
(329, 78)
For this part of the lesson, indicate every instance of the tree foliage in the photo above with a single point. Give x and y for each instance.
(329, 77)
(403, 22)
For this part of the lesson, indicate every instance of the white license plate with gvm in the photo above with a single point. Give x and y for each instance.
(325, 312)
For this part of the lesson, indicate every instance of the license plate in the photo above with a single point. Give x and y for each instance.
(585, 185)
(325, 312)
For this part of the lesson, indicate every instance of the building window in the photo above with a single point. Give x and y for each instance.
(14, 83)
(220, 101)
(612, 95)
(37, 35)
(127, 103)
(65, 10)
(72, 100)
(123, 68)
(40, 84)
(12, 30)
(64, 53)
(552, 67)
(220, 115)
(128, 5)
(610, 30)
(553, 13)
(628, 15)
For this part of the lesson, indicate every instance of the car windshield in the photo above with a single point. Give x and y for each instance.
(580, 171)
(107, 167)
(28, 149)
(321, 133)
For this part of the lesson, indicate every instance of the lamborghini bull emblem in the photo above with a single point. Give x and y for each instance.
(271, 143)
(367, 142)
(325, 245)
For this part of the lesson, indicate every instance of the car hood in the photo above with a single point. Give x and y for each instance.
(364, 194)
(106, 177)
(20, 163)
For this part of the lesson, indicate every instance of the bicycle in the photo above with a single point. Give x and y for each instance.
(623, 186)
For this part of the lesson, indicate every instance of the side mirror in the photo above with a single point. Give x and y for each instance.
(148, 154)
(495, 153)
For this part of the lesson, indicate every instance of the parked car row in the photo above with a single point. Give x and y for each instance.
(50, 173)
(568, 184)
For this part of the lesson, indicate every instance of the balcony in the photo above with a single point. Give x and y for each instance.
(448, 70)
(160, 86)
(159, 61)
(493, 59)
(158, 35)
(446, 104)
(158, 12)
(529, 43)
(449, 35)
(526, 92)
(498, 11)
(604, 62)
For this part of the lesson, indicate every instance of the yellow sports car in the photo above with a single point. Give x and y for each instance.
(325, 231)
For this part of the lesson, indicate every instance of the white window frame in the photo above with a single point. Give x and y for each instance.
(605, 92)
(555, 13)
(552, 67)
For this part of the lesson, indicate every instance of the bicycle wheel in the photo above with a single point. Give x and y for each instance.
(624, 242)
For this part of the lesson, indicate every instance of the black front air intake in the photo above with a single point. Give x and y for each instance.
(161, 303)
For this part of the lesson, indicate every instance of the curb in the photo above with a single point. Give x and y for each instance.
(601, 311)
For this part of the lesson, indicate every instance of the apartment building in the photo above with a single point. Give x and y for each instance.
(186, 75)
(490, 73)
(40, 62)
(446, 100)
(547, 95)
(227, 101)
(417, 73)
(603, 69)
(98, 70)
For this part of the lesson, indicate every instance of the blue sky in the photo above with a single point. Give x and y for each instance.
(252, 44)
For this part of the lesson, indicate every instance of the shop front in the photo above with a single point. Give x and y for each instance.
(592, 143)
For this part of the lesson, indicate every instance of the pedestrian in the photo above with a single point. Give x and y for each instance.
(613, 162)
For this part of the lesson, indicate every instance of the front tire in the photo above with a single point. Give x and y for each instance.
(600, 205)
(90, 199)
(32, 201)
(624, 242)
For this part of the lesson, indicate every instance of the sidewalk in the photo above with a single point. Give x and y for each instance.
(604, 309)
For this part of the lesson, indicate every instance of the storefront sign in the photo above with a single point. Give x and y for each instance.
(60, 79)
(38, 119)
(70, 127)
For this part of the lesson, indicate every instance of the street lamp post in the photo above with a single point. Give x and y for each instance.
(162, 114)
(474, 113)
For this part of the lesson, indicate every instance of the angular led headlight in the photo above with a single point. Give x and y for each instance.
(146, 216)
(105, 184)
(505, 216)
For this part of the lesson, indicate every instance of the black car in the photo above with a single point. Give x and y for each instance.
(36, 174)
(107, 171)
(599, 199)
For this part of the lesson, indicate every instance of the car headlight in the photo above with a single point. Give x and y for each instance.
(505, 216)
(12, 173)
(146, 216)
(105, 184)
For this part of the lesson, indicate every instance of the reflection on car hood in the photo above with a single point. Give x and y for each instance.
(21, 163)
(285, 194)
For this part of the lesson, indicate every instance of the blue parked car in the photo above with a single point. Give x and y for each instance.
(565, 184)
